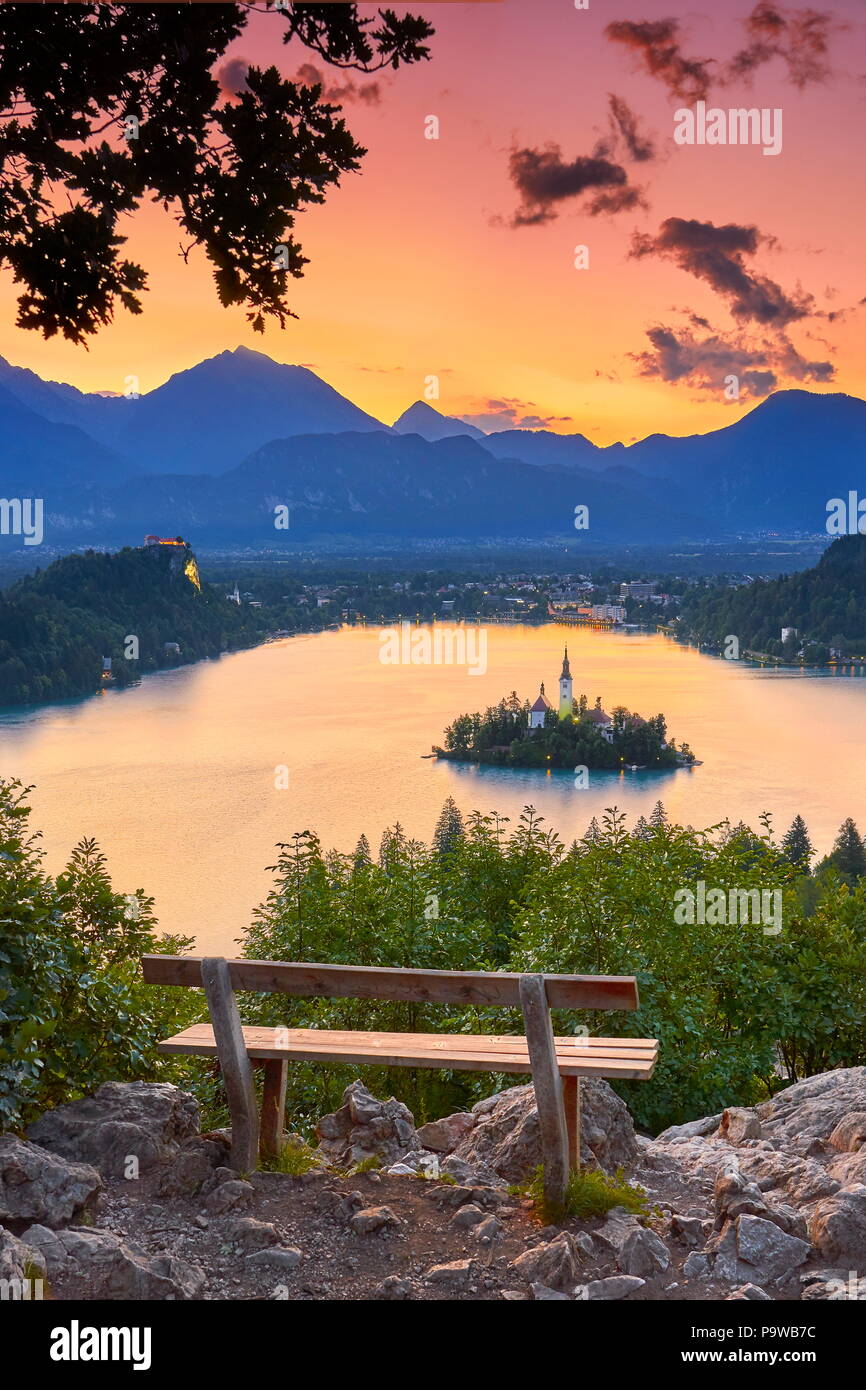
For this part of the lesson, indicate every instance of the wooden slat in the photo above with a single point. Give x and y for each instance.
(282, 1041)
(477, 987)
(274, 1038)
(547, 1084)
(237, 1074)
(382, 1049)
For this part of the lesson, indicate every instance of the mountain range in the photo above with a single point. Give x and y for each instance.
(216, 448)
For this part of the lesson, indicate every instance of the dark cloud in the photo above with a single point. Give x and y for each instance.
(625, 122)
(506, 413)
(544, 179)
(717, 255)
(232, 77)
(680, 355)
(801, 38)
(368, 93)
(656, 44)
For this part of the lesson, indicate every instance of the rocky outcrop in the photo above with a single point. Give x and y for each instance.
(112, 1268)
(38, 1186)
(365, 1127)
(506, 1136)
(125, 1129)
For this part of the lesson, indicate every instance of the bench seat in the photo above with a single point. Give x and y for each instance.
(616, 1058)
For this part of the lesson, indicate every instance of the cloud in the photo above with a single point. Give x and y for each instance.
(705, 362)
(625, 123)
(368, 93)
(232, 77)
(656, 44)
(506, 413)
(717, 255)
(801, 38)
(544, 179)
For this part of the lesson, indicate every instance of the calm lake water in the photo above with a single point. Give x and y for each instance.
(176, 778)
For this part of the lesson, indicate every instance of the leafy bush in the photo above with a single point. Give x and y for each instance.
(74, 1010)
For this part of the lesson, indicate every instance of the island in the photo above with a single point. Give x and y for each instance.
(574, 735)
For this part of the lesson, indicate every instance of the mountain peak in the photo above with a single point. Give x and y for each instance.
(424, 419)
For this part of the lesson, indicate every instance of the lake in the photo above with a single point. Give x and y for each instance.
(177, 777)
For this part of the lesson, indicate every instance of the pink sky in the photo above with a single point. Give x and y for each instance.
(417, 269)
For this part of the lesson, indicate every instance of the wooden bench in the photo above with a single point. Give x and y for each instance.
(556, 1064)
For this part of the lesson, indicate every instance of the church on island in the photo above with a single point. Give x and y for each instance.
(542, 707)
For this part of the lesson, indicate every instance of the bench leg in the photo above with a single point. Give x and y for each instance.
(237, 1073)
(571, 1101)
(548, 1089)
(273, 1108)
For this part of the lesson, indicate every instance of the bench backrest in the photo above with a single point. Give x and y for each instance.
(312, 980)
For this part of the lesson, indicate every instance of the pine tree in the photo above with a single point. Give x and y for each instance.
(659, 817)
(796, 845)
(641, 829)
(848, 855)
(593, 833)
(449, 832)
(361, 856)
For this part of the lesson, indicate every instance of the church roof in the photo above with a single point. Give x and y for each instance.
(542, 703)
(566, 669)
(597, 716)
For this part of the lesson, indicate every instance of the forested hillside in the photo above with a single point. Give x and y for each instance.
(826, 605)
(58, 625)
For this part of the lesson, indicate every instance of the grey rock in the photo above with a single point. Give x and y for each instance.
(443, 1136)
(554, 1263)
(643, 1253)
(849, 1136)
(616, 1287)
(688, 1229)
(838, 1227)
(396, 1289)
(280, 1257)
(488, 1229)
(115, 1269)
(235, 1195)
(506, 1134)
(249, 1235)
(697, 1265)
(22, 1262)
(542, 1294)
(468, 1215)
(38, 1186)
(371, 1219)
(618, 1226)
(457, 1273)
(365, 1126)
(751, 1292)
(144, 1120)
(738, 1124)
(472, 1174)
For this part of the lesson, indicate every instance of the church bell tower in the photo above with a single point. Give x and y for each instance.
(566, 706)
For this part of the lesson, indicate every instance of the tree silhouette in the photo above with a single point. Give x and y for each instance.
(796, 845)
(848, 855)
(103, 106)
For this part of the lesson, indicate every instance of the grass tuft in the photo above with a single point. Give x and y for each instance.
(590, 1192)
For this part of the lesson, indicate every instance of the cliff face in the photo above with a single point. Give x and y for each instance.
(767, 1203)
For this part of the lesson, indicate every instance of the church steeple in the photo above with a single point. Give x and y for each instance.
(566, 701)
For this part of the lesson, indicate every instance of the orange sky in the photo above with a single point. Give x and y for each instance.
(416, 269)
